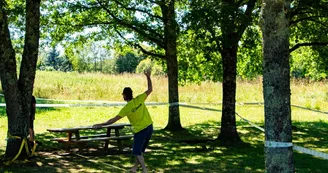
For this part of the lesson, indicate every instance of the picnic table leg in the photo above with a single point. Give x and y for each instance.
(107, 142)
(69, 136)
(77, 135)
(67, 145)
(80, 145)
(119, 142)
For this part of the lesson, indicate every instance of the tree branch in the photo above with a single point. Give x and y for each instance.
(141, 31)
(299, 11)
(248, 15)
(148, 52)
(307, 44)
(139, 10)
(214, 38)
(310, 18)
(139, 46)
(87, 24)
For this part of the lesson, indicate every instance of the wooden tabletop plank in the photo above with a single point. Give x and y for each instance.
(74, 129)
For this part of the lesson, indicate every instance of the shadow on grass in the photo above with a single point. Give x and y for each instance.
(193, 150)
(311, 133)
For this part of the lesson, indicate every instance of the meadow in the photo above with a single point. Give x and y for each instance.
(192, 150)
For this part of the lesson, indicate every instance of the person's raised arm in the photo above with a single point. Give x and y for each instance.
(110, 121)
(149, 83)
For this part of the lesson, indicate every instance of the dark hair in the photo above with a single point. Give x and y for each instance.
(127, 91)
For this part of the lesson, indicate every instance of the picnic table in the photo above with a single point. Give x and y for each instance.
(73, 135)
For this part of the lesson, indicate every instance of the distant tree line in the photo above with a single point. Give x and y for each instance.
(305, 62)
(95, 58)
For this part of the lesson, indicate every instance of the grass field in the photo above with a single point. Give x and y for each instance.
(191, 150)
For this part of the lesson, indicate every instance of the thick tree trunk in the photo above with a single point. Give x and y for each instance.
(232, 31)
(30, 54)
(228, 120)
(170, 40)
(18, 93)
(174, 123)
(276, 86)
(16, 123)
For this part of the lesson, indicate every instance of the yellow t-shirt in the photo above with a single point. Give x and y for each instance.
(137, 113)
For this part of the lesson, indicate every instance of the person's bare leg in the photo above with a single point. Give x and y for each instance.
(31, 134)
(135, 166)
(141, 161)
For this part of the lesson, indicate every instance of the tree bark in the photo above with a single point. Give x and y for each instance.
(18, 92)
(228, 119)
(174, 123)
(232, 30)
(9, 84)
(276, 86)
(170, 40)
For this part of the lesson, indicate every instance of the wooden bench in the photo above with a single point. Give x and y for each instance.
(107, 139)
(91, 139)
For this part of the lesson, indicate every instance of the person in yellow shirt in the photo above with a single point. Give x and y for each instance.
(141, 122)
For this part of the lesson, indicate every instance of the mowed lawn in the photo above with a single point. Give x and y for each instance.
(192, 150)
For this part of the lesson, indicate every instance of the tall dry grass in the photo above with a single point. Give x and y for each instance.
(97, 86)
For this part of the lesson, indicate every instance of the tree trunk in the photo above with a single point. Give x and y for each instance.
(276, 86)
(174, 123)
(228, 119)
(18, 93)
(9, 86)
(170, 40)
(232, 30)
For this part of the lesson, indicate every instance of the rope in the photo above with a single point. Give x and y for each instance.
(24, 143)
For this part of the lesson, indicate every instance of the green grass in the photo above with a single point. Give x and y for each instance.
(192, 150)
